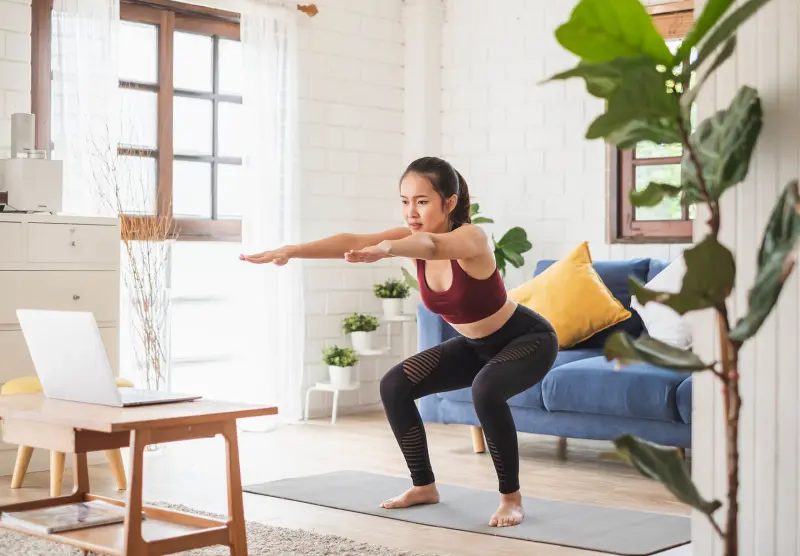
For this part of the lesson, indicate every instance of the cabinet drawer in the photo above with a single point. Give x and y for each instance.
(95, 291)
(10, 242)
(72, 243)
(17, 359)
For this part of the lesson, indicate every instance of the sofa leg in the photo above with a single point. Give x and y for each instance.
(478, 443)
(561, 450)
(682, 453)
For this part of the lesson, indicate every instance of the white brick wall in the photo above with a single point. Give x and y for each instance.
(351, 112)
(15, 65)
(520, 144)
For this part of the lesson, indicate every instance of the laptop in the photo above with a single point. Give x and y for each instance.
(72, 364)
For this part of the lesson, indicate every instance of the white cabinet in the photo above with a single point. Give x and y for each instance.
(55, 262)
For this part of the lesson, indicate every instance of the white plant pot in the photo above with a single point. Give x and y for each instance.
(341, 377)
(362, 341)
(392, 307)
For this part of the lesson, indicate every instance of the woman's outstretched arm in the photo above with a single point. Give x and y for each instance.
(331, 247)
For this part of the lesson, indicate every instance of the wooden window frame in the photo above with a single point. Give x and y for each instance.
(672, 20)
(168, 16)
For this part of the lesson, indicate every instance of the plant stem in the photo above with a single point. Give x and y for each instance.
(733, 404)
(713, 220)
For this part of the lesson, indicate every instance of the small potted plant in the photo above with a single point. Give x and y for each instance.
(340, 363)
(361, 328)
(392, 292)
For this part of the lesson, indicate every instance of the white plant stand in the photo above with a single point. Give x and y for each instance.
(328, 387)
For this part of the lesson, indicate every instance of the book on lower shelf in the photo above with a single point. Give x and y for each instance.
(67, 517)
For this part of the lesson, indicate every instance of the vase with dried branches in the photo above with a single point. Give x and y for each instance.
(124, 184)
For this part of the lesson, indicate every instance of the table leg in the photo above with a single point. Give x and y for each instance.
(56, 472)
(134, 543)
(335, 406)
(308, 400)
(237, 532)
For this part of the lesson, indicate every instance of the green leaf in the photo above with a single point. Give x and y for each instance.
(625, 351)
(666, 466)
(713, 10)
(482, 220)
(709, 279)
(724, 144)
(513, 257)
(725, 53)
(653, 194)
(410, 280)
(727, 27)
(473, 209)
(601, 78)
(659, 131)
(600, 30)
(776, 260)
(642, 95)
(515, 240)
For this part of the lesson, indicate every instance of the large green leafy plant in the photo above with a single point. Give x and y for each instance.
(626, 62)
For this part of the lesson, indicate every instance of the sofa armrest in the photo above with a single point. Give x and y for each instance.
(432, 329)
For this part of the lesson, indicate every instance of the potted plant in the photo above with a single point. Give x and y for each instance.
(392, 292)
(340, 363)
(361, 328)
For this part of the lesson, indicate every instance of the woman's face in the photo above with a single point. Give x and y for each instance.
(423, 209)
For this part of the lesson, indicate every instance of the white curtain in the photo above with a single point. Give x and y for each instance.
(84, 99)
(273, 313)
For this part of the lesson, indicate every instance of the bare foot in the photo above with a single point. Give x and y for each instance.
(510, 511)
(427, 494)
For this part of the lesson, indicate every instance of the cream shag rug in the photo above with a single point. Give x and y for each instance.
(262, 540)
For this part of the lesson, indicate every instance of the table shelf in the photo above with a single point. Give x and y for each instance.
(160, 526)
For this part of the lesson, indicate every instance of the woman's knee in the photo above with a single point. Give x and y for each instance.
(394, 386)
(486, 392)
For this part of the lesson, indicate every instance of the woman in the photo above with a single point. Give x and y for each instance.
(503, 348)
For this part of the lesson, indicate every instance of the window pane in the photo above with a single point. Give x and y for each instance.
(193, 65)
(139, 118)
(669, 208)
(230, 129)
(135, 184)
(648, 149)
(229, 191)
(191, 189)
(230, 67)
(138, 52)
(192, 125)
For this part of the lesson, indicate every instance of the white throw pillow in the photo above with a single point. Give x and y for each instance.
(664, 323)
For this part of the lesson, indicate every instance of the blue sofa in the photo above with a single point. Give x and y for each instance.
(583, 396)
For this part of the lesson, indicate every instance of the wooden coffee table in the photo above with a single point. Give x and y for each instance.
(33, 420)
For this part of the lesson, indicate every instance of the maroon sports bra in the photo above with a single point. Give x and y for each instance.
(468, 299)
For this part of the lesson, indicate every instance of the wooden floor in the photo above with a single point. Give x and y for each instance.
(193, 473)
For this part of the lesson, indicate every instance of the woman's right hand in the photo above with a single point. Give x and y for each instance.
(277, 257)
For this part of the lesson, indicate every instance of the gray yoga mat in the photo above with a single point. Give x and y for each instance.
(598, 528)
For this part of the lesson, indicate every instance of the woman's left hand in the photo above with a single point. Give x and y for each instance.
(369, 254)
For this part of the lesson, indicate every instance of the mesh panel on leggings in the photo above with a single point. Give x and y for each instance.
(513, 353)
(498, 463)
(414, 450)
(420, 365)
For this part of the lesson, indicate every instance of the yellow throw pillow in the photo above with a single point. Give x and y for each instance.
(572, 297)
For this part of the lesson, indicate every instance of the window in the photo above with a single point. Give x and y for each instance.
(669, 222)
(180, 92)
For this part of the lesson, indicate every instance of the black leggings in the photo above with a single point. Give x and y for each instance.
(498, 367)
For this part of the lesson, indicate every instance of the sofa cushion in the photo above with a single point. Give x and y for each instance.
(656, 266)
(685, 400)
(532, 397)
(592, 386)
(572, 297)
(614, 275)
